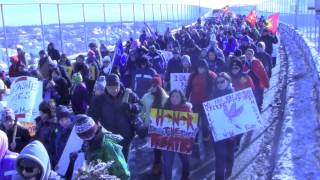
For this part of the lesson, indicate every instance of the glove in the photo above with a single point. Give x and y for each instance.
(126, 107)
(73, 156)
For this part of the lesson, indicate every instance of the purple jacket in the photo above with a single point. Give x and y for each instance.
(79, 99)
(7, 159)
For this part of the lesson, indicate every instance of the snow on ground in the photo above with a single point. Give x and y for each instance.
(298, 155)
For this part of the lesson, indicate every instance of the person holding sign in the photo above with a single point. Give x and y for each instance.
(240, 81)
(199, 88)
(224, 149)
(155, 98)
(176, 102)
(22, 136)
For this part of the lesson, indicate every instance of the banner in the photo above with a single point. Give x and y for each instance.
(172, 130)
(233, 114)
(74, 144)
(25, 97)
(179, 81)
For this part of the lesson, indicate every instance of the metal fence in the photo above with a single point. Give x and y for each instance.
(71, 26)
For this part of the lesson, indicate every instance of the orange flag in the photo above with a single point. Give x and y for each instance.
(252, 17)
(272, 22)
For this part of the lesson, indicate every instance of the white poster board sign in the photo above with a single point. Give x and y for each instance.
(179, 81)
(233, 114)
(74, 144)
(25, 97)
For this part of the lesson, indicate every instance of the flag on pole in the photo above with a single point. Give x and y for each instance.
(272, 22)
(149, 30)
(252, 17)
(117, 56)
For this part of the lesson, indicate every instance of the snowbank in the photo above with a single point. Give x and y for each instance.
(298, 155)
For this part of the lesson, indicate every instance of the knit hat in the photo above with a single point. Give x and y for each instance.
(186, 58)
(156, 81)
(62, 111)
(203, 63)
(113, 80)
(85, 126)
(100, 83)
(77, 77)
(7, 112)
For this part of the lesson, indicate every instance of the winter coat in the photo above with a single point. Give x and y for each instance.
(83, 69)
(266, 60)
(46, 133)
(199, 87)
(14, 67)
(61, 139)
(44, 66)
(7, 159)
(174, 66)
(158, 62)
(37, 153)
(231, 45)
(217, 65)
(147, 101)
(257, 72)
(54, 54)
(142, 79)
(109, 112)
(79, 98)
(242, 81)
(106, 148)
(62, 88)
(269, 41)
(22, 137)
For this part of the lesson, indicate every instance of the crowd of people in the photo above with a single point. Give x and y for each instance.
(108, 109)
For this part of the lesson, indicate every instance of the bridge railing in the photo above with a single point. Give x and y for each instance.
(71, 26)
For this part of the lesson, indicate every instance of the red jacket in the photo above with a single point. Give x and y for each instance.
(14, 68)
(198, 84)
(257, 73)
(242, 82)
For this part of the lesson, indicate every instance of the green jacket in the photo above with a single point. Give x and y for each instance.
(108, 150)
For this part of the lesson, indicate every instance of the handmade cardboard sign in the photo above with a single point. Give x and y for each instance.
(179, 81)
(233, 114)
(172, 130)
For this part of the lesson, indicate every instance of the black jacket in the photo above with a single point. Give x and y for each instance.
(22, 137)
(112, 114)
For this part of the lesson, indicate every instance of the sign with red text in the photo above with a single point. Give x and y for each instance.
(25, 97)
(233, 114)
(172, 130)
(179, 81)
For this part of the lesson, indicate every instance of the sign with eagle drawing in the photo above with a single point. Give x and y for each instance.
(233, 114)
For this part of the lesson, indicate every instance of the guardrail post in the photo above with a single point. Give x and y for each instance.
(42, 28)
(5, 34)
(60, 28)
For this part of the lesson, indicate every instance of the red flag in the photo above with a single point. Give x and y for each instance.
(272, 22)
(252, 17)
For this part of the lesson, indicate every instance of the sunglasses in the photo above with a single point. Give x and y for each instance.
(221, 82)
(27, 169)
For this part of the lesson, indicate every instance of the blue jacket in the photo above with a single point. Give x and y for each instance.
(158, 62)
(142, 79)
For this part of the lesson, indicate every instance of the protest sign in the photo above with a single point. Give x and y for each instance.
(25, 97)
(74, 144)
(233, 114)
(179, 81)
(172, 130)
